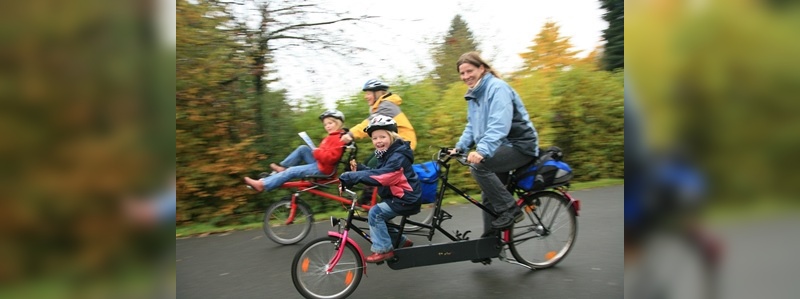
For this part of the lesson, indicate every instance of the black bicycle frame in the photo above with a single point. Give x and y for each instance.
(439, 215)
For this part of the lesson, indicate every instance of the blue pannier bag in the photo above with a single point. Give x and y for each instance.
(548, 171)
(428, 173)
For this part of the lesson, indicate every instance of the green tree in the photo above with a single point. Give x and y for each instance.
(614, 35)
(550, 51)
(534, 90)
(588, 119)
(459, 40)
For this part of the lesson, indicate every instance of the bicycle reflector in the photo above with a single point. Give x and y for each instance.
(334, 221)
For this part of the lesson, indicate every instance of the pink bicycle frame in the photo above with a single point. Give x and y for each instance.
(335, 259)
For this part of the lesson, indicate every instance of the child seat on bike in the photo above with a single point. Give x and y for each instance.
(349, 153)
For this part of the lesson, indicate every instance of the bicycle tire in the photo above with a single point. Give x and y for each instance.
(547, 233)
(308, 269)
(276, 217)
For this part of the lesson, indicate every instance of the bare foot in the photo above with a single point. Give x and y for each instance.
(276, 167)
(256, 185)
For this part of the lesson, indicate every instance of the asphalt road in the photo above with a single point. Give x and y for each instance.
(246, 264)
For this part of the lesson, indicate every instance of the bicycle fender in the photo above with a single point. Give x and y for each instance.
(573, 202)
(358, 248)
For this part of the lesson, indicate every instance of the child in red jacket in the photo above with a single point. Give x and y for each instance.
(304, 161)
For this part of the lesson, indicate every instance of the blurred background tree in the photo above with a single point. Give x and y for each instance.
(550, 52)
(459, 40)
(614, 35)
(215, 125)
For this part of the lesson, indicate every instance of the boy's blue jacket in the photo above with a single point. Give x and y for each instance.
(398, 184)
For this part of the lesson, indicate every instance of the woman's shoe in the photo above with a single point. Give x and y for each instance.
(380, 257)
(507, 218)
(253, 184)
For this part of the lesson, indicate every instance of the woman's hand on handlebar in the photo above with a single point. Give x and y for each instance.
(474, 158)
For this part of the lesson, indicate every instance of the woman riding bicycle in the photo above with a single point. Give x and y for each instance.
(398, 185)
(304, 161)
(501, 131)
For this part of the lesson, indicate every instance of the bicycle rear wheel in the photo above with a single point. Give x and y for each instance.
(282, 230)
(309, 264)
(547, 233)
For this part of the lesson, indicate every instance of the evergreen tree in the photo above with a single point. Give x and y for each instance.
(550, 51)
(614, 35)
(459, 40)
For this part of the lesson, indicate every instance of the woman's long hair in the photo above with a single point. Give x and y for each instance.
(475, 59)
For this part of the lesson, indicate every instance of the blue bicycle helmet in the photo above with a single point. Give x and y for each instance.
(375, 84)
(332, 113)
(381, 122)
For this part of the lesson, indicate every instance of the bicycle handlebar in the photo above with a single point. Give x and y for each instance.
(444, 156)
(343, 189)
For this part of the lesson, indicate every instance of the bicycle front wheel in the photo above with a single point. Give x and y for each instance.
(309, 269)
(547, 233)
(286, 225)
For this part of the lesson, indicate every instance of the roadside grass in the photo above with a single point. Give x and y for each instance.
(205, 229)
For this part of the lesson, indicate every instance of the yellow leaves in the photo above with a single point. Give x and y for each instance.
(550, 51)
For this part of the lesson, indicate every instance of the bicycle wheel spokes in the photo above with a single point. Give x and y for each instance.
(309, 267)
(284, 226)
(546, 235)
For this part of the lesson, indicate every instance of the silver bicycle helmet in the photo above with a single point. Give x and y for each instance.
(381, 122)
(375, 84)
(332, 113)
